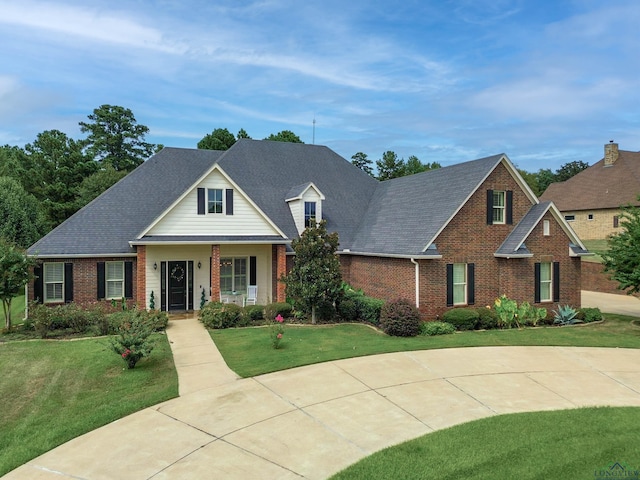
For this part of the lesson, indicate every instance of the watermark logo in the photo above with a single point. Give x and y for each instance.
(617, 470)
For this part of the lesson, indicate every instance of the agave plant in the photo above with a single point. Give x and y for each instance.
(565, 315)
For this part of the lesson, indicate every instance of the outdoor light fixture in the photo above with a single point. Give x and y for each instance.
(199, 264)
(155, 266)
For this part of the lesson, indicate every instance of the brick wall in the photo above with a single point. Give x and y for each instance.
(468, 239)
(85, 278)
(594, 279)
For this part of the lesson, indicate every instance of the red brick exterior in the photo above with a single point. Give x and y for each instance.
(141, 277)
(468, 239)
(215, 273)
(85, 278)
(594, 279)
(281, 268)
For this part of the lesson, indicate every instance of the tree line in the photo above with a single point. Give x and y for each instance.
(47, 181)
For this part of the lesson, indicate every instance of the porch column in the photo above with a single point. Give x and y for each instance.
(141, 277)
(281, 269)
(215, 273)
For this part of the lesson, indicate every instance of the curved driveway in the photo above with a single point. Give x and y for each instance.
(311, 422)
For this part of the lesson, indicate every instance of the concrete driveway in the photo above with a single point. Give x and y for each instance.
(311, 422)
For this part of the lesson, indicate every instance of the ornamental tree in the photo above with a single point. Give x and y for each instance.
(315, 277)
(622, 259)
(15, 272)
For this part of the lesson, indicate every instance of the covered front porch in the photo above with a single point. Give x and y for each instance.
(176, 277)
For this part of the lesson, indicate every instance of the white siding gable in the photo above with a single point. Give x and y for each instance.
(296, 205)
(183, 218)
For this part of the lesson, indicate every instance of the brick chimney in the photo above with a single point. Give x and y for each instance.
(610, 153)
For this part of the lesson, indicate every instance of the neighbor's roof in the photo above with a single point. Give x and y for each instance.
(599, 186)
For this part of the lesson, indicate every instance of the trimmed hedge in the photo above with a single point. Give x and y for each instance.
(400, 318)
(487, 319)
(436, 328)
(461, 318)
(272, 310)
(222, 315)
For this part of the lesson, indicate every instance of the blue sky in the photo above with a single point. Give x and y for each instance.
(545, 81)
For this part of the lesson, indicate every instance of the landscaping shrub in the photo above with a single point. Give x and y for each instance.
(487, 319)
(222, 315)
(588, 314)
(461, 318)
(436, 328)
(565, 315)
(347, 309)
(132, 342)
(369, 308)
(326, 311)
(254, 313)
(42, 319)
(272, 310)
(400, 318)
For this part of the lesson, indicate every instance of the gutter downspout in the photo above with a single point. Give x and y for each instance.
(417, 282)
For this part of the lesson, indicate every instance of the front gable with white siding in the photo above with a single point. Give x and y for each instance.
(213, 206)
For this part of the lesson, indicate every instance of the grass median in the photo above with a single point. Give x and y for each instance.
(248, 351)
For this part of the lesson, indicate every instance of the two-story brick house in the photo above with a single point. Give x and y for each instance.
(192, 223)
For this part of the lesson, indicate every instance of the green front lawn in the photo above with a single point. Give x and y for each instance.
(304, 345)
(568, 444)
(53, 391)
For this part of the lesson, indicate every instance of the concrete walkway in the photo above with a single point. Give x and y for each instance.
(311, 422)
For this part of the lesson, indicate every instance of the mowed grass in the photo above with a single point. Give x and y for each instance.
(567, 444)
(53, 391)
(248, 351)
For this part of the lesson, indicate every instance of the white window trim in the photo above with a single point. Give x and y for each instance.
(464, 284)
(304, 213)
(546, 228)
(45, 267)
(112, 280)
(549, 282)
(222, 202)
(501, 208)
(233, 273)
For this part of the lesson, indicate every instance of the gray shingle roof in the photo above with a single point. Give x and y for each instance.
(514, 246)
(396, 217)
(405, 214)
(107, 224)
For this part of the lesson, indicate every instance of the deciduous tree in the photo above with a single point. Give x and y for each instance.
(285, 136)
(15, 272)
(22, 220)
(219, 139)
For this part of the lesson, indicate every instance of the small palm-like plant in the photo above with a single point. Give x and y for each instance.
(565, 315)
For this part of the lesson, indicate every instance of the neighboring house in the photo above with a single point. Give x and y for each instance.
(590, 201)
(192, 221)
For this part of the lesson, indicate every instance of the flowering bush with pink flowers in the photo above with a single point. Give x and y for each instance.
(276, 331)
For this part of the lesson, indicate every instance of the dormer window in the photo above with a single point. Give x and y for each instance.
(305, 203)
(309, 214)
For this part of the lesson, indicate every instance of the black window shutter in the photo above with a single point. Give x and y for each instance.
(537, 283)
(489, 207)
(128, 279)
(229, 194)
(101, 281)
(163, 286)
(615, 221)
(37, 284)
(509, 207)
(471, 283)
(68, 282)
(556, 281)
(201, 209)
(449, 284)
(252, 271)
(190, 285)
